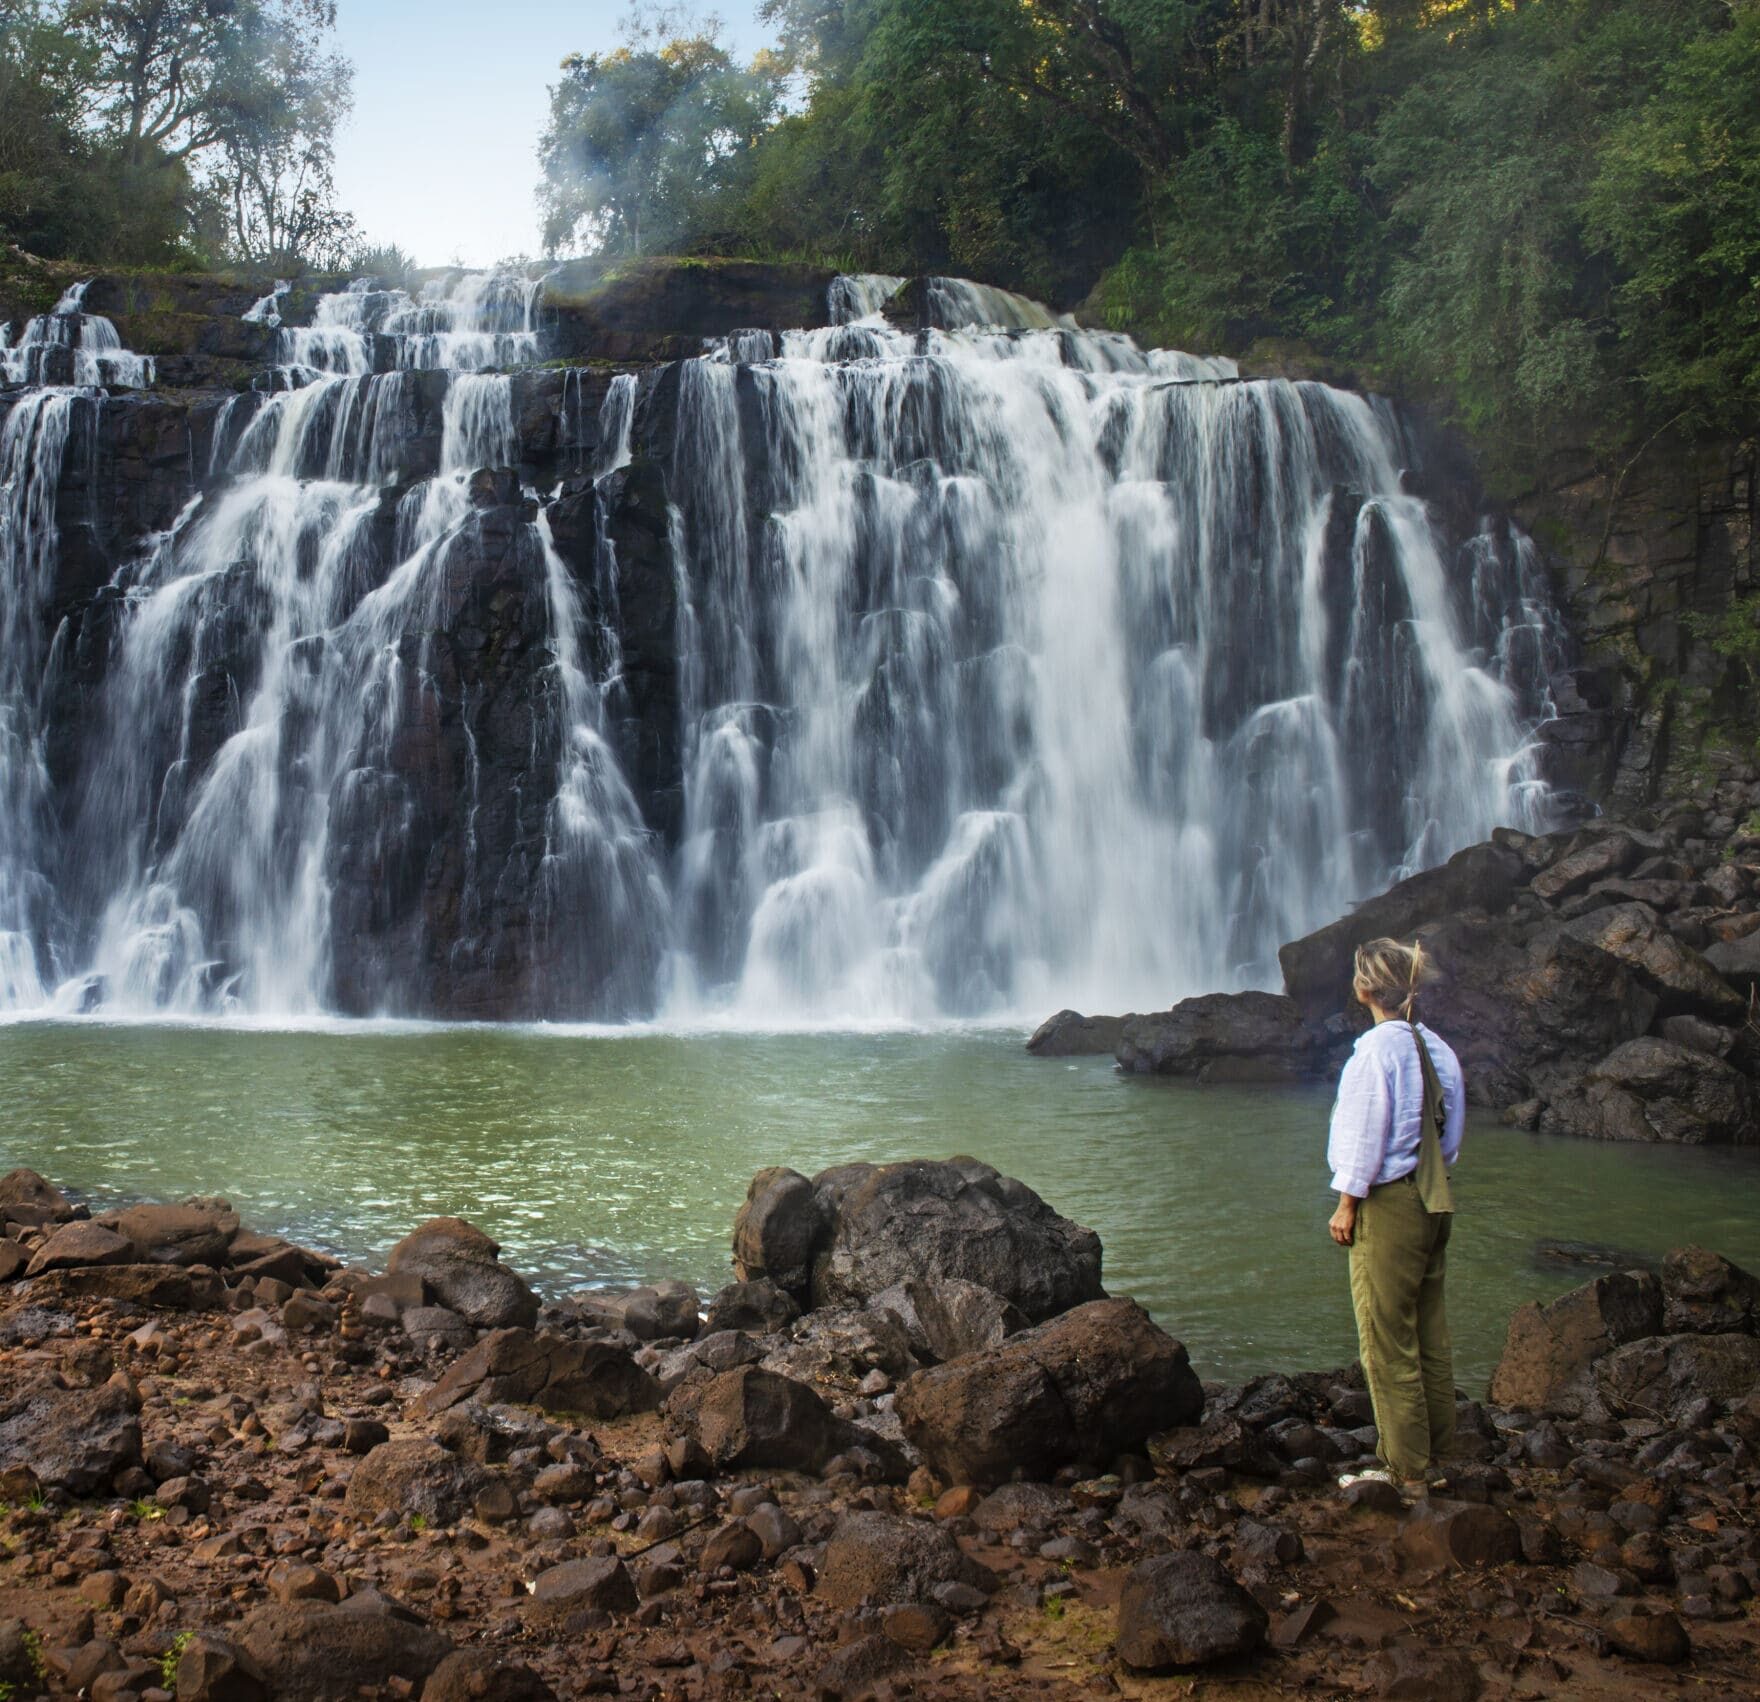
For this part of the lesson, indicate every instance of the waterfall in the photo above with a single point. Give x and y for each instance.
(1003, 665)
(1029, 669)
(68, 346)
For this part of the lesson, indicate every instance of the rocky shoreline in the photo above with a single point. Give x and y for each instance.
(912, 1449)
(1600, 981)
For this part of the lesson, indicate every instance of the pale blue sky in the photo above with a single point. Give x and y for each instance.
(440, 156)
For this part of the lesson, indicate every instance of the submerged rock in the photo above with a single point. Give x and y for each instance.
(1069, 1034)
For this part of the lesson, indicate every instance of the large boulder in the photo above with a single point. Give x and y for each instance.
(595, 1379)
(1549, 1350)
(1737, 961)
(778, 1231)
(922, 1219)
(462, 1267)
(481, 1675)
(1184, 1610)
(1591, 858)
(1222, 1037)
(71, 1439)
(318, 1651)
(758, 1308)
(1088, 1386)
(1662, 1376)
(38, 1200)
(953, 1318)
(1317, 969)
(879, 1559)
(198, 1232)
(1702, 1291)
(76, 1244)
(1655, 1090)
(417, 1476)
(149, 1288)
(1683, 982)
(751, 1417)
(1069, 1034)
(599, 1584)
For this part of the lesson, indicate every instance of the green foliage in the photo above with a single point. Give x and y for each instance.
(173, 1654)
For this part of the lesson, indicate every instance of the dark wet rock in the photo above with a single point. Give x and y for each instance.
(1464, 1534)
(661, 1310)
(538, 1368)
(1222, 1037)
(318, 1651)
(1423, 1675)
(211, 1669)
(1644, 1635)
(1317, 969)
(1654, 1090)
(198, 1232)
(480, 1675)
(778, 1231)
(1069, 1034)
(1090, 1385)
(961, 1219)
(1593, 859)
(838, 1343)
(1703, 1291)
(159, 1288)
(1184, 1610)
(80, 1244)
(1667, 1376)
(1683, 982)
(415, 1476)
(876, 1558)
(461, 1265)
(956, 1318)
(71, 1439)
(601, 1584)
(1737, 961)
(758, 1308)
(751, 1417)
(1549, 1349)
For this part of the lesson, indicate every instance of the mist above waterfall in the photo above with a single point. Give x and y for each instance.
(1012, 666)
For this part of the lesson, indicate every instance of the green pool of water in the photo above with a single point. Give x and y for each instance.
(609, 1156)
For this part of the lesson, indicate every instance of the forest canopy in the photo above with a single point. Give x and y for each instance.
(1545, 213)
(172, 132)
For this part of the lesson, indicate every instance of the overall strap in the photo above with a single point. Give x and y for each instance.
(1434, 1191)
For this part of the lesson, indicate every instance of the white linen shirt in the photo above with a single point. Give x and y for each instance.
(1378, 1115)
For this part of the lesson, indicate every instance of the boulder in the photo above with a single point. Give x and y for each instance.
(151, 1288)
(318, 1651)
(839, 1344)
(1654, 1090)
(778, 1231)
(1549, 1349)
(661, 1310)
(480, 1675)
(956, 1318)
(198, 1232)
(43, 1199)
(1702, 1291)
(955, 1219)
(1593, 858)
(71, 1439)
(431, 1327)
(80, 1244)
(1684, 983)
(876, 1558)
(1463, 1534)
(415, 1476)
(749, 1417)
(1184, 1610)
(1222, 1036)
(461, 1266)
(758, 1308)
(1737, 961)
(211, 1669)
(595, 1379)
(1663, 1376)
(1069, 1034)
(1088, 1386)
(1317, 969)
(600, 1584)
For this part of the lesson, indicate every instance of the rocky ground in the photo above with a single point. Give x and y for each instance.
(1600, 981)
(912, 1450)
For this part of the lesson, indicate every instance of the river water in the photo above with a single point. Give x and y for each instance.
(605, 1156)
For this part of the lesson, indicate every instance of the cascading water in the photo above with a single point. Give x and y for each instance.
(1024, 668)
(69, 346)
(1012, 666)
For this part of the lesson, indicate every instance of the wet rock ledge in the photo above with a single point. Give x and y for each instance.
(913, 1449)
(1600, 982)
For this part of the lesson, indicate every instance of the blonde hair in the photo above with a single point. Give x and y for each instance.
(1390, 974)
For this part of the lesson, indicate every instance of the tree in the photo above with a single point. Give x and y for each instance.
(648, 146)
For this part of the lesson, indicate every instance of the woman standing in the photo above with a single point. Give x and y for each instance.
(1396, 1130)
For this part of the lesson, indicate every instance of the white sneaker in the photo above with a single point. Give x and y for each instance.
(1374, 1475)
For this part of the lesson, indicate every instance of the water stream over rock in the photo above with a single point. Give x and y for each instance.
(870, 672)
